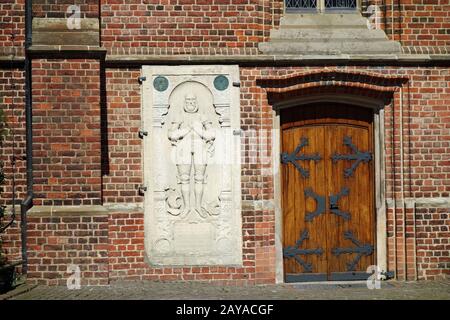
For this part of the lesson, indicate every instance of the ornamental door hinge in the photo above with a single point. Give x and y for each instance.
(357, 156)
(295, 251)
(361, 249)
(296, 156)
(142, 134)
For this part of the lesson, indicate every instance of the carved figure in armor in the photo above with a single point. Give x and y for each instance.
(193, 137)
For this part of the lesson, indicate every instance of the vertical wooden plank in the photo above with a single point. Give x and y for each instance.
(316, 226)
(359, 202)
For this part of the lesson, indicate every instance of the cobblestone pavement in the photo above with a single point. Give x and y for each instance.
(140, 290)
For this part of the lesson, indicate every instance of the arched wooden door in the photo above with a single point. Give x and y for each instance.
(327, 192)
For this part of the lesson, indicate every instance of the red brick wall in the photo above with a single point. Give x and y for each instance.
(66, 132)
(12, 22)
(422, 26)
(433, 242)
(109, 248)
(11, 242)
(13, 104)
(58, 8)
(428, 252)
(256, 182)
(112, 248)
(426, 133)
(217, 27)
(126, 257)
(183, 26)
(122, 168)
(54, 243)
(425, 26)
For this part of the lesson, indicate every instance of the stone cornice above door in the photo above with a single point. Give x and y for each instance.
(327, 34)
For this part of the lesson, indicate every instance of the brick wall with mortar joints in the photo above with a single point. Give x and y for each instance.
(12, 21)
(122, 171)
(422, 26)
(66, 132)
(256, 120)
(127, 257)
(184, 27)
(58, 8)
(222, 27)
(12, 103)
(431, 243)
(54, 243)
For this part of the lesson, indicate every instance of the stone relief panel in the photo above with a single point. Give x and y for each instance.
(192, 165)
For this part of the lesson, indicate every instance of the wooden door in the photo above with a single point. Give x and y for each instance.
(327, 192)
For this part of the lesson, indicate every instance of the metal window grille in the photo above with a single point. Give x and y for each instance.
(340, 4)
(292, 5)
(295, 5)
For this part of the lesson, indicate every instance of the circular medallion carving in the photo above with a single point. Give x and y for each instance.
(161, 83)
(221, 83)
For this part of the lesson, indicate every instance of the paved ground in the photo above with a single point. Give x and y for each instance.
(186, 291)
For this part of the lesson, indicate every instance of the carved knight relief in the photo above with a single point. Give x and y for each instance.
(192, 137)
(192, 206)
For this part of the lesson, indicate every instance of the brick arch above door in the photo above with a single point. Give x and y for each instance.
(359, 86)
(333, 74)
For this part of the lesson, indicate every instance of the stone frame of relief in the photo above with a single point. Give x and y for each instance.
(192, 165)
